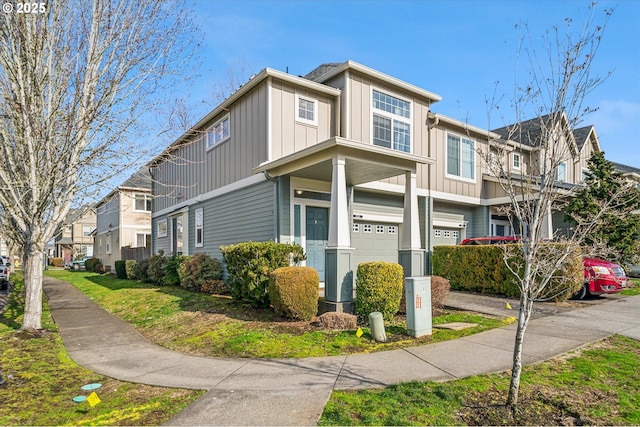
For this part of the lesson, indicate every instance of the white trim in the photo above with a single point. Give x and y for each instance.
(237, 185)
(269, 118)
(377, 217)
(347, 107)
(210, 130)
(147, 196)
(449, 223)
(446, 158)
(160, 234)
(513, 161)
(198, 212)
(303, 120)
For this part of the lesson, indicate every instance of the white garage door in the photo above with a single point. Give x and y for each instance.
(374, 241)
(445, 236)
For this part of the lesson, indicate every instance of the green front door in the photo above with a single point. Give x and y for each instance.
(317, 231)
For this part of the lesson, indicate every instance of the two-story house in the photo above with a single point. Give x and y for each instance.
(74, 239)
(124, 221)
(347, 161)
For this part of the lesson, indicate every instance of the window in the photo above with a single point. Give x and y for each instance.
(561, 172)
(515, 160)
(447, 234)
(355, 227)
(143, 240)
(455, 234)
(460, 157)
(199, 224)
(219, 132)
(142, 203)
(108, 244)
(161, 231)
(392, 229)
(367, 228)
(379, 229)
(391, 122)
(437, 233)
(86, 230)
(306, 110)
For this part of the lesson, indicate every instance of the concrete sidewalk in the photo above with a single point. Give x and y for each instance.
(294, 391)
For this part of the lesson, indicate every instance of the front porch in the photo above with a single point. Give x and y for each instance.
(341, 164)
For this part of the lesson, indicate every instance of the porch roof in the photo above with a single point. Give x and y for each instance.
(363, 162)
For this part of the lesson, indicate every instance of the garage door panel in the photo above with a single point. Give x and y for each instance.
(375, 241)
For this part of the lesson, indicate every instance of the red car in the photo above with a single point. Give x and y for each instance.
(600, 276)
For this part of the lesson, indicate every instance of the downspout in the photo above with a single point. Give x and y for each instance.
(276, 189)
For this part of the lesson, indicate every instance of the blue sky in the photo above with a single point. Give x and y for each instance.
(457, 49)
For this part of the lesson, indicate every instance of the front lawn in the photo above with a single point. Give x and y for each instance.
(41, 380)
(210, 325)
(633, 287)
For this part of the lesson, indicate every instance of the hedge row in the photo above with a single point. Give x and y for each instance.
(482, 269)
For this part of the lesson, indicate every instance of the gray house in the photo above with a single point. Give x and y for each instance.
(347, 161)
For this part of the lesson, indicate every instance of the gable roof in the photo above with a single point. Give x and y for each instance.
(626, 169)
(139, 181)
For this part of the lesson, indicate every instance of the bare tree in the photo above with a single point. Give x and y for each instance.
(77, 79)
(559, 79)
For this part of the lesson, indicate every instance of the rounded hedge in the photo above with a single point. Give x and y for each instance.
(379, 288)
(293, 292)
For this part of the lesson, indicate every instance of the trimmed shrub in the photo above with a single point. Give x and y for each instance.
(215, 287)
(249, 265)
(197, 270)
(92, 265)
(141, 270)
(482, 269)
(293, 292)
(155, 272)
(338, 321)
(121, 269)
(379, 288)
(170, 267)
(130, 267)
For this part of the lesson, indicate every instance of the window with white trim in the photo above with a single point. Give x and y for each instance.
(561, 172)
(460, 157)
(220, 131)
(367, 228)
(108, 244)
(437, 233)
(161, 230)
(455, 234)
(143, 240)
(447, 234)
(142, 203)
(355, 227)
(379, 229)
(306, 110)
(392, 229)
(515, 160)
(86, 230)
(391, 121)
(199, 228)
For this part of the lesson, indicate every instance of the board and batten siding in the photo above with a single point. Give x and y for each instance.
(192, 169)
(243, 215)
(289, 135)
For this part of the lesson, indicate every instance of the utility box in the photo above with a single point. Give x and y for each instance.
(418, 297)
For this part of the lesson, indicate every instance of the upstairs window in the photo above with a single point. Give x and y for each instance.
(220, 131)
(561, 172)
(460, 157)
(391, 122)
(142, 203)
(515, 160)
(306, 110)
(199, 228)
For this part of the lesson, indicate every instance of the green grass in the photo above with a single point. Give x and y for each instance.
(599, 385)
(41, 381)
(217, 326)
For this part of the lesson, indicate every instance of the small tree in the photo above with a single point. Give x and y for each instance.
(554, 93)
(616, 235)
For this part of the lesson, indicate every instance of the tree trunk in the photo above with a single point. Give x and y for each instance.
(526, 304)
(33, 291)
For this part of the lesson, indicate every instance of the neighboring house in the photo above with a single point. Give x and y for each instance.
(347, 161)
(124, 221)
(73, 239)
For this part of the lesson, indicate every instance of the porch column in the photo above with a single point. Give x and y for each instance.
(411, 255)
(338, 286)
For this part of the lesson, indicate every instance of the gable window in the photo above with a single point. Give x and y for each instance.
(460, 157)
(391, 122)
(220, 131)
(86, 230)
(142, 203)
(199, 224)
(561, 172)
(306, 110)
(515, 160)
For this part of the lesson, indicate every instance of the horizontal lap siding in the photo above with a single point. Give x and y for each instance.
(239, 216)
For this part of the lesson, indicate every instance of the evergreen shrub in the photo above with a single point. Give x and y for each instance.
(170, 267)
(293, 292)
(141, 270)
(379, 287)
(155, 271)
(92, 265)
(197, 270)
(249, 265)
(130, 267)
(121, 269)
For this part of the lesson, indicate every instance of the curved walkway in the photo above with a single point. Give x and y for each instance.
(294, 391)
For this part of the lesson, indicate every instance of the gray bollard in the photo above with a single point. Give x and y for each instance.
(376, 323)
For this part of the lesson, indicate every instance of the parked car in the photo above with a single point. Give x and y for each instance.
(4, 272)
(634, 271)
(600, 276)
(78, 264)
